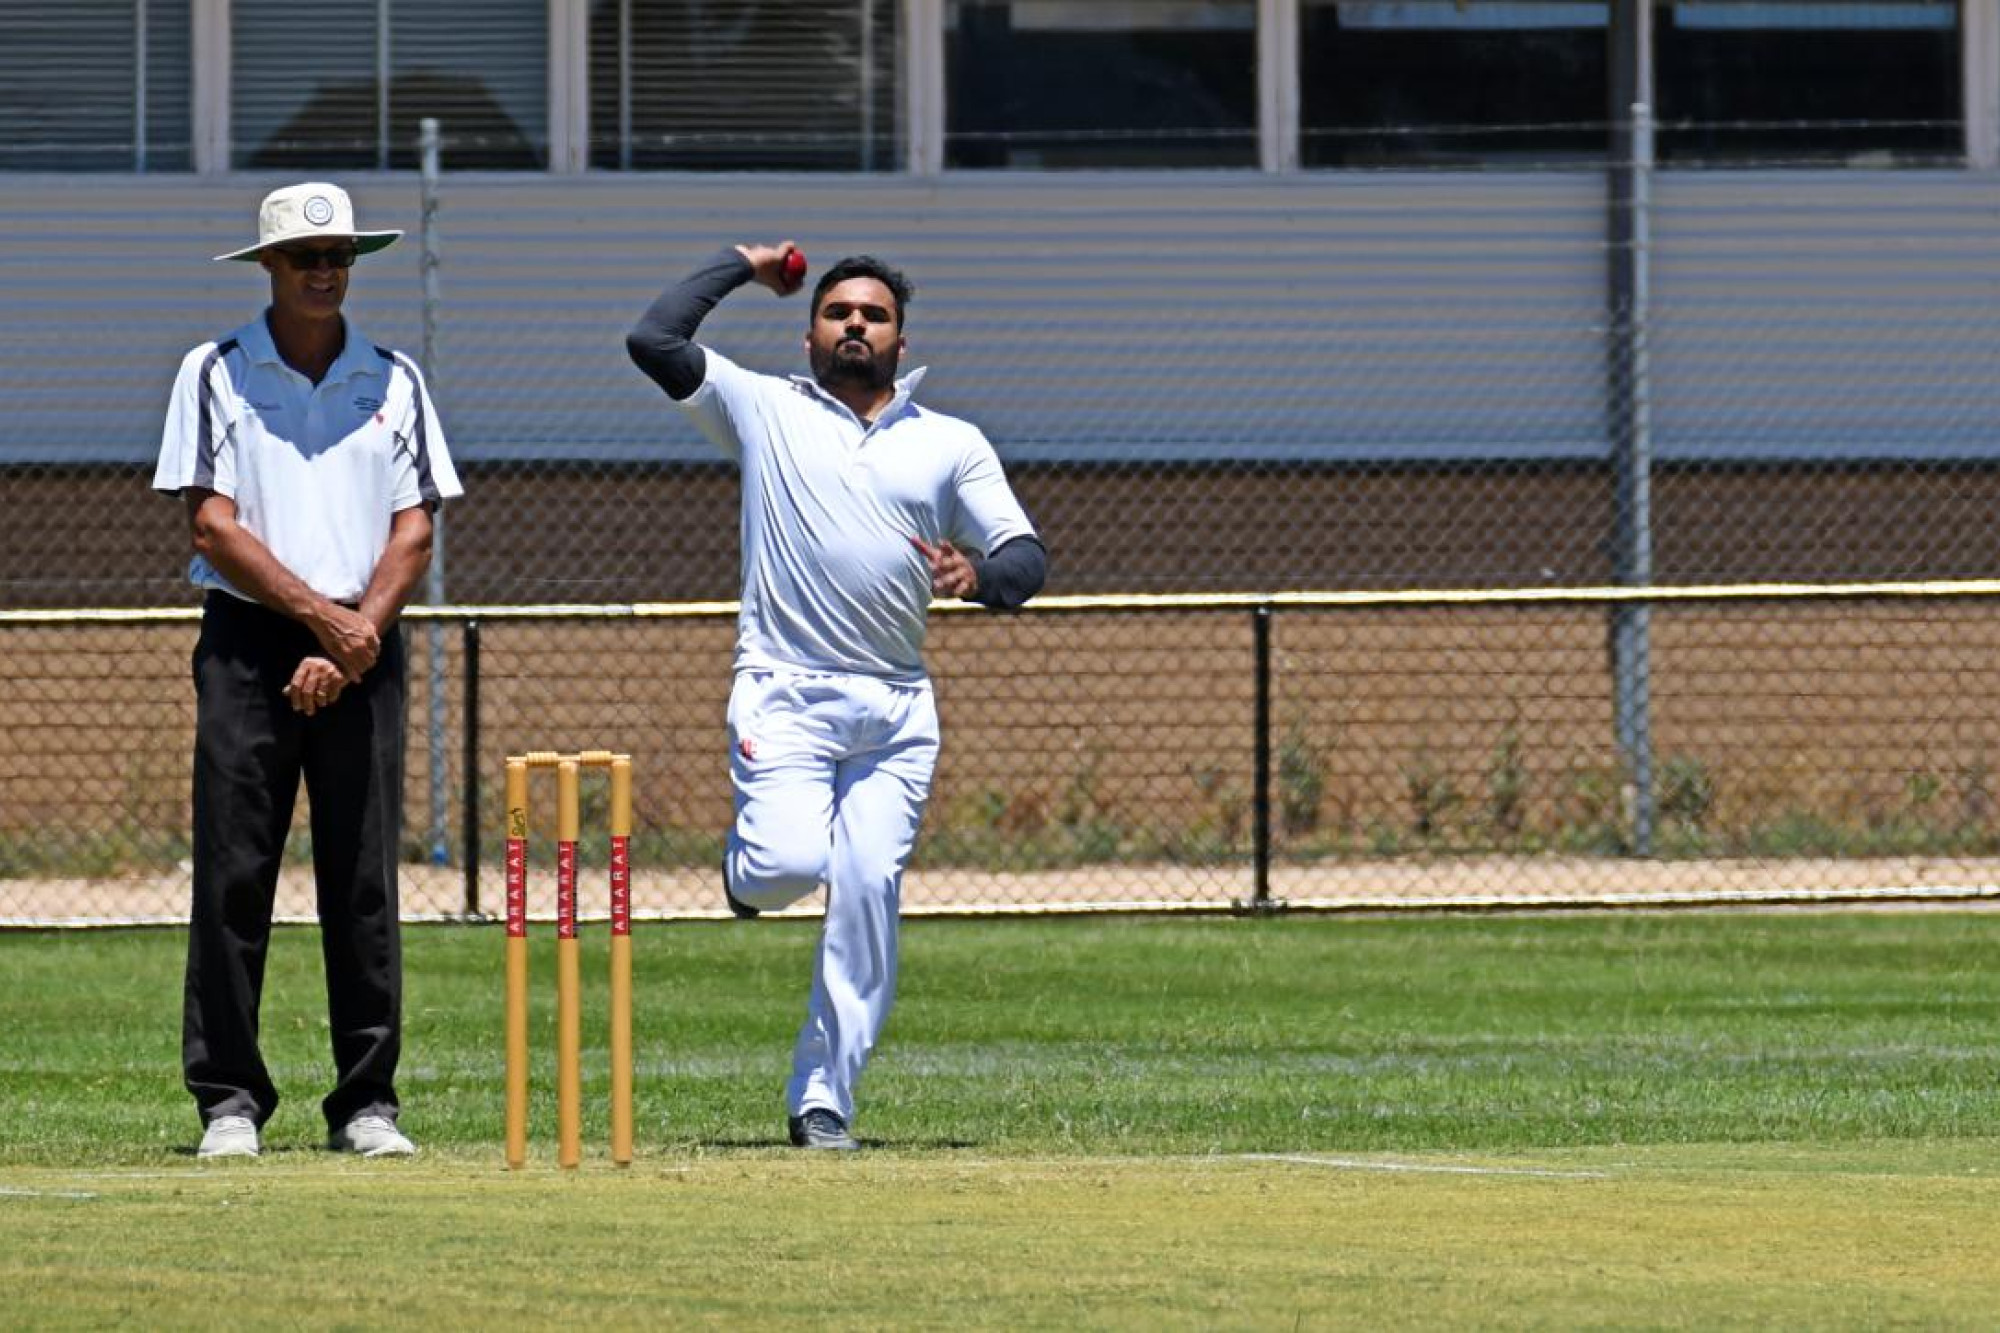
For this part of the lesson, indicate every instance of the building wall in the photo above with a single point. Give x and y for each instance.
(1200, 380)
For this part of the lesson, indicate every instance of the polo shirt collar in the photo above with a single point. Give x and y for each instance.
(906, 388)
(357, 354)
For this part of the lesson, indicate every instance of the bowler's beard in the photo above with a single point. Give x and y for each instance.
(833, 368)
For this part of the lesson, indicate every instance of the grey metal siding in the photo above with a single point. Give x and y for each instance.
(1145, 317)
(1835, 315)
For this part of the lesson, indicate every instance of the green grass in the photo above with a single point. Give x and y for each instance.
(926, 1240)
(1721, 1119)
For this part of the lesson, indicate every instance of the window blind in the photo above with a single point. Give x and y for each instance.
(486, 82)
(94, 85)
(745, 84)
(344, 83)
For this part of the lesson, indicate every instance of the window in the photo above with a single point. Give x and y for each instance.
(826, 85)
(95, 85)
(1100, 83)
(343, 83)
(1452, 82)
(798, 85)
(1789, 81)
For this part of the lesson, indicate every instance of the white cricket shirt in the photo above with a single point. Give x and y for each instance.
(317, 471)
(831, 578)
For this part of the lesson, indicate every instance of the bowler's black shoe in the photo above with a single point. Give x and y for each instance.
(744, 911)
(821, 1128)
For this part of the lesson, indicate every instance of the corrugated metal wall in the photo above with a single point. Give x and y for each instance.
(1155, 317)
(1169, 317)
(1826, 315)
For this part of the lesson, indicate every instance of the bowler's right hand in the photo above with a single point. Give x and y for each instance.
(768, 261)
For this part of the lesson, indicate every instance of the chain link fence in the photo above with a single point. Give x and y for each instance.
(1212, 390)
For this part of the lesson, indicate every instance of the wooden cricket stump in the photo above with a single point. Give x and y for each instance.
(569, 1020)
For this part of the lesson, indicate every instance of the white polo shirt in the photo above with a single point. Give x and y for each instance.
(317, 471)
(831, 578)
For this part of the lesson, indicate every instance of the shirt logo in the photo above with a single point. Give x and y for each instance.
(368, 404)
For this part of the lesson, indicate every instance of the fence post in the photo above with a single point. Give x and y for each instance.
(434, 591)
(1260, 799)
(469, 634)
(1632, 622)
(1630, 405)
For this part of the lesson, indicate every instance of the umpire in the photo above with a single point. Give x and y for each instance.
(310, 461)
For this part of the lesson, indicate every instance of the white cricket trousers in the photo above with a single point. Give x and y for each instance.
(831, 775)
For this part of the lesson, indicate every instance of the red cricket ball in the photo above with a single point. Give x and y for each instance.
(795, 268)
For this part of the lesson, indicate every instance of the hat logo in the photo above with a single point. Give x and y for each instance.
(318, 210)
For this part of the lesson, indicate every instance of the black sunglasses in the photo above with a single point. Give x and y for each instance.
(305, 260)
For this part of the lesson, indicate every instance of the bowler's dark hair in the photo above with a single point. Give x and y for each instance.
(866, 266)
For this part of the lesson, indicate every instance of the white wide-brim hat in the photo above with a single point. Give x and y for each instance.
(307, 212)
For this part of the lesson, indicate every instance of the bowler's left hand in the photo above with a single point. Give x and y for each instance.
(952, 574)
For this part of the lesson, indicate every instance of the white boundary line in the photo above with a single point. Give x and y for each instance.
(1421, 1168)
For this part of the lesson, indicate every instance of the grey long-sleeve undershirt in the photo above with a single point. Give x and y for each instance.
(1011, 573)
(662, 342)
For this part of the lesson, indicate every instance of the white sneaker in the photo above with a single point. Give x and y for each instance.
(372, 1136)
(229, 1136)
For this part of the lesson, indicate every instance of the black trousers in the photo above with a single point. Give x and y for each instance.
(251, 749)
